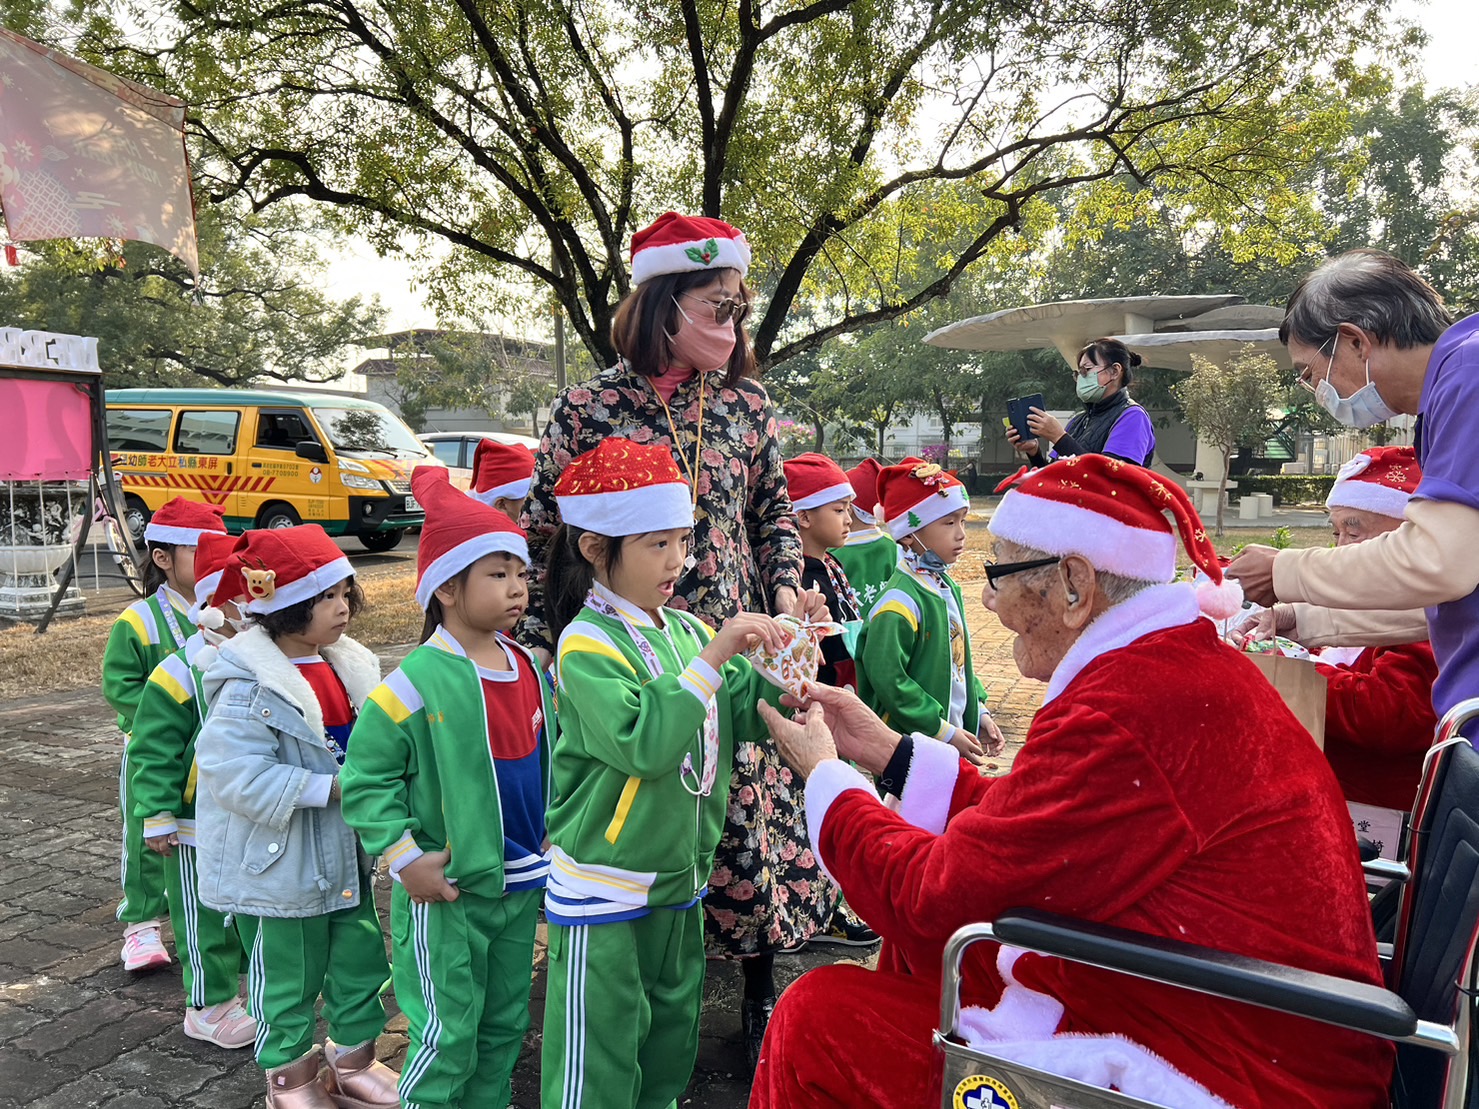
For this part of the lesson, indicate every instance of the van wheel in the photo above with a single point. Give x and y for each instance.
(136, 518)
(278, 516)
(382, 540)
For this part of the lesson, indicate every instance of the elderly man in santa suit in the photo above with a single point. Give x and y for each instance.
(1163, 787)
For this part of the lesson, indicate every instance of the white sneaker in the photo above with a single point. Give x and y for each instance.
(143, 949)
(226, 1025)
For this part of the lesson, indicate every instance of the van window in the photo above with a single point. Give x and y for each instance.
(283, 430)
(369, 430)
(139, 429)
(448, 450)
(212, 431)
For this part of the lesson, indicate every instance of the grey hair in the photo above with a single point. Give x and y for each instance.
(1371, 289)
(1116, 588)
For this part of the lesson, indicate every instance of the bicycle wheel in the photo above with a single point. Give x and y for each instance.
(118, 547)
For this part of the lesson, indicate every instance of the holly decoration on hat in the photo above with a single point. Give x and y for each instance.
(703, 256)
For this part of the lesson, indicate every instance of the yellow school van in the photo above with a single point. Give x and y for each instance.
(271, 460)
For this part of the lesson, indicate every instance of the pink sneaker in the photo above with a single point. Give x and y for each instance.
(226, 1025)
(143, 949)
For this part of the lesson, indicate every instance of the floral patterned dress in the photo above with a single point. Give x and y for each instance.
(767, 890)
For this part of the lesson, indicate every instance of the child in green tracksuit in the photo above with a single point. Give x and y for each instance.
(868, 556)
(172, 710)
(914, 653)
(651, 705)
(447, 778)
(144, 633)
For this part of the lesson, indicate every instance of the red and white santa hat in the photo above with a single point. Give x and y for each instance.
(864, 480)
(180, 523)
(456, 534)
(679, 244)
(1114, 514)
(1380, 480)
(813, 480)
(624, 488)
(211, 556)
(501, 470)
(916, 493)
(282, 567)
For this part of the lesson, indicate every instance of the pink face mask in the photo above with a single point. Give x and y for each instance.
(703, 344)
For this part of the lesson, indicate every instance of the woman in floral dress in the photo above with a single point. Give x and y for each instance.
(687, 309)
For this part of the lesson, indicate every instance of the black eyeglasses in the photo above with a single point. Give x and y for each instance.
(724, 310)
(997, 570)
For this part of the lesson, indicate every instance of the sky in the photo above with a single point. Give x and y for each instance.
(1448, 60)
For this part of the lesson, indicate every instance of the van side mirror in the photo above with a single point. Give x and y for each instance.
(312, 451)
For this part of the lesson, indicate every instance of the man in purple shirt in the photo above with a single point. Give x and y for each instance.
(1372, 340)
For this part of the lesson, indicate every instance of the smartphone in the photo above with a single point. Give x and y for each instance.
(1019, 408)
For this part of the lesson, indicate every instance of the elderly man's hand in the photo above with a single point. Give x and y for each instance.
(860, 736)
(1254, 568)
(802, 744)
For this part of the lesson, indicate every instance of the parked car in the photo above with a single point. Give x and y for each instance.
(270, 459)
(455, 449)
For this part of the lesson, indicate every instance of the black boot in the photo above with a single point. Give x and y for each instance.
(754, 1017)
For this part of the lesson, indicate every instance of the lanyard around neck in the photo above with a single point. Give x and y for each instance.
(698, 441)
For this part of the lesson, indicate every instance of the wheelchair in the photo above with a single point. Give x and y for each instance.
(1430, 967)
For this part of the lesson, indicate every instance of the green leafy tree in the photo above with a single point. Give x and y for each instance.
(258, 313)
(1229, 405)
(852, 139)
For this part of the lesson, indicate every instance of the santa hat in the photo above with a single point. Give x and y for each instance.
(624, 488)
(180, 523)
(864, 480)
(681, 244)
(813, 480)
(1380, 480)
(1113, 513)
(456, 534)
(916, 493)
(501, 470)
(282, 567)
(211, 555)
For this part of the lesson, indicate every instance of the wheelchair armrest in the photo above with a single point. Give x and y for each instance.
(1322, 997)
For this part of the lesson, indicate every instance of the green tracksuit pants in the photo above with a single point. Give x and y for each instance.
(462, 974)
(141, 871)
(621, 1011)
(294, 959)
(209, 945)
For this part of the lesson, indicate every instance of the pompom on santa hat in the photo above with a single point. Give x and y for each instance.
(456, 534)
(681, 244)
(281, 567)
(501, 471)
(1380, 480)
(181, 523)
(212, 554)
(864, 480)
(624, 488)
(813, 480)
(1114, 514)
(916, 493)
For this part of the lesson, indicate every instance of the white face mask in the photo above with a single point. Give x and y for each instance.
(1363, 408)
(240, 625)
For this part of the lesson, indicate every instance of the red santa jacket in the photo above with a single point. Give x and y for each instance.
(1163, 789)
(1379, 722)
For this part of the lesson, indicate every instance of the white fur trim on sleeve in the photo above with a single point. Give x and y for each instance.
(933, 772)
(829, 781)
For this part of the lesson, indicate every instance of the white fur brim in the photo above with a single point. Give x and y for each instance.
(176, 537)
(653, 261)
(1368, 496)
(930, 509)
(1066, 529)
(824, 496)
(511, 490)
(304, 589)
(448, 565)
(630, 511)
(829, 781)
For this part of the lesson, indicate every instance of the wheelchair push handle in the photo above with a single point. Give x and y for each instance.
(955, 949)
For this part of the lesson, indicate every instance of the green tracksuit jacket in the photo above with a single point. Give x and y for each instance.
(141, 638)
(869, 559)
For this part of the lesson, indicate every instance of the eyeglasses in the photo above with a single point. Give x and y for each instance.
(1304, 378)
(724, 310)
(997, 570)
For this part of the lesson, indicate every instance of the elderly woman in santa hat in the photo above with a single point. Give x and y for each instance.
(1162, 788)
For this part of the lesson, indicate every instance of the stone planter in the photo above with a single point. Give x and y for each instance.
(35, 542)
